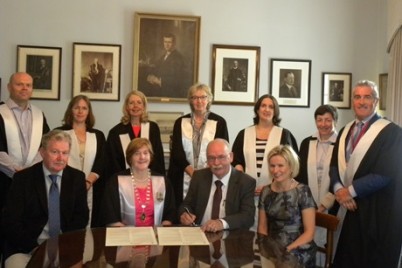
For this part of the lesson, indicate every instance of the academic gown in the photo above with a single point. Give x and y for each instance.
(116, 160)
(97, 158)
(379, 215)
(180, 154)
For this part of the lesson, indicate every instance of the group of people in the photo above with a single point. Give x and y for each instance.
(264, 182)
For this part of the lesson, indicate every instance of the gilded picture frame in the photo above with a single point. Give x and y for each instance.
(166, 54)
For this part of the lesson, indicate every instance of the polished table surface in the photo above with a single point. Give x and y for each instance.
(240, 248)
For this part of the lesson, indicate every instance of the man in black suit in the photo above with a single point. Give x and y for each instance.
(171, 75)
(288, 89)
(27, 214)
(236, 208)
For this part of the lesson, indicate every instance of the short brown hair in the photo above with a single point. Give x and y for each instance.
(135, 145)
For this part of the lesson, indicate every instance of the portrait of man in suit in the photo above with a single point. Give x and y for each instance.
(166, 58)
(236, 79)
(289, 88)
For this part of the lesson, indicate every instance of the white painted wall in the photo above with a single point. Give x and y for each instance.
(337, 35)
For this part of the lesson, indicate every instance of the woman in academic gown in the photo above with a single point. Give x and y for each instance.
(87, 150)
(134, 124)
(191, 135)
(252, 144)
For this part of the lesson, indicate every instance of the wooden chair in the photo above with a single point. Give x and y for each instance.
(329, 222)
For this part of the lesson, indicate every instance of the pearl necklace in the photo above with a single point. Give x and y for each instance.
(142, 203)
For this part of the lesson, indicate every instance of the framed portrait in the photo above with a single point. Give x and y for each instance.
(336, 89)
(96, 71)
(166, 52)
(382, 88)
(290, 82)
(165, 121)
(235, 74)
(44, 65)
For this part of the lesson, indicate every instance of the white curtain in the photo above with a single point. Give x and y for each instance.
(394, 94)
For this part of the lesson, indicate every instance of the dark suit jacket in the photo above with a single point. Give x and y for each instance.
(284, 92)
(26, 210)
(239, 203)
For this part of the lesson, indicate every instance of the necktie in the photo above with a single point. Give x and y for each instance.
(54, 207)
(356, 134)
(217, 200)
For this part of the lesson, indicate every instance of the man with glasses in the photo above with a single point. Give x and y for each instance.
(44, 200)
(366, 177)
(235, 207)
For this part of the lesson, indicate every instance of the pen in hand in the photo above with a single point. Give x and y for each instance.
(188, 212)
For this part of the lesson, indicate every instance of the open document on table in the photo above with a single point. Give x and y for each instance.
(130, 236)
(176, 236)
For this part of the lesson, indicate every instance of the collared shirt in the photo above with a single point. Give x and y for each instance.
(24, 121)
(208, 209)
(48, 182)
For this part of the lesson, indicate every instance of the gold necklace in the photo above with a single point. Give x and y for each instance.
(142, 203)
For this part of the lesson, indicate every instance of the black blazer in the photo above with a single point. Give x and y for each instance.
(239, 204)
(26, 210)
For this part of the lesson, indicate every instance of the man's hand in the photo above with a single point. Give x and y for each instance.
(187, 218)
(345, 199)
(212, 226)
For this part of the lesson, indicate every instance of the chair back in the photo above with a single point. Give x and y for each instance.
(329, 222)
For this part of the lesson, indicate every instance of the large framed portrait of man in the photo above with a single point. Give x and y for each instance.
(165, 55)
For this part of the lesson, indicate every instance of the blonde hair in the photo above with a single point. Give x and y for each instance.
(290, 156)
(194, 88)
(126, 119)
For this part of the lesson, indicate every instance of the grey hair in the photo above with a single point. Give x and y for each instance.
(55, 135)
(370, 84)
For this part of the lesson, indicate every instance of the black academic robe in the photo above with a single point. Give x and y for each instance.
(371, 236)
(116, 161)
(178, 160)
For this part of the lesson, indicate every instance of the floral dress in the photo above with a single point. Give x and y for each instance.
(284, 214)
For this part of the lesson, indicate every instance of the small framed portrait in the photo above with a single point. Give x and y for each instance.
(44, 65)
(235, 74)
(166, 49)
(96, 71)
(382, 88)
(290, 82)
(336, 89)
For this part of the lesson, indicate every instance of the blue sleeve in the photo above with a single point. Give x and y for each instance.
(369, 184)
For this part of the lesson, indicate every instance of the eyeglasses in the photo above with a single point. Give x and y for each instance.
(194, 98)
(214, 158)
(365, 97)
